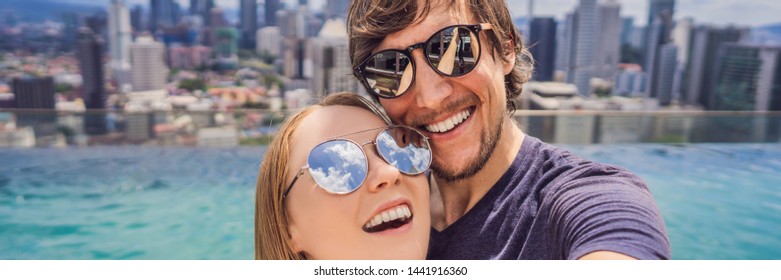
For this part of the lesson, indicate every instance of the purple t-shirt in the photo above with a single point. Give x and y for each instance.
(551, 204)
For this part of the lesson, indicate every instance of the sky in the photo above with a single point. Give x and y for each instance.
(722, 12)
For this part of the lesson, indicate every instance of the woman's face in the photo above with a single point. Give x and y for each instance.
(333, 226)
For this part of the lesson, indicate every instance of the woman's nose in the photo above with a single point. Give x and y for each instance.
(381, 174)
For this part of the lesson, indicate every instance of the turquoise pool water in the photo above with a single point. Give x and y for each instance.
(719, 201)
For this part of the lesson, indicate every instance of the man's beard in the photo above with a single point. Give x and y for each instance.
(487, 147)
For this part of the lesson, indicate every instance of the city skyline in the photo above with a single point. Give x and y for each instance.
(722, 12)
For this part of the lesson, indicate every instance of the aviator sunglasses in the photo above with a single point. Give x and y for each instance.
(452, 51)
(340, 166)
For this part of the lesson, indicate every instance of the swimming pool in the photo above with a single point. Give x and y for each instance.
(720, 201)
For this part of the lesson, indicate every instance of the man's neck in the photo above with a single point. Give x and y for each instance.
(457, 198)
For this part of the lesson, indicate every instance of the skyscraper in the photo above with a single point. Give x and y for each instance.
(698, 85)
(249, 23)
(627, 28)
(565, 38)
(659, 28)
(584, 44)
(542, 39)
(148, 65)
(119, 41)
(608, 44)
(337, 8)
(137, 18)
(330, 56)
(269, 41)
(271, 8)
(202, 8)
(668, 56)
(33, 92)
(164, 13)
(663, 9)
(747, 78)
(90, 54)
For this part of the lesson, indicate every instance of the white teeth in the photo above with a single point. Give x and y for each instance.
(392, 215)
(449, 123)
(398, 212)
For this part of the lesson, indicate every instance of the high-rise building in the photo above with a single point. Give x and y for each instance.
(269, 41)
(337, 8)
(565, 33)
(698, 84)
(249, 23)
(271, 8)
(331, 60)
(70, 30)
(627, 30)
(668, 61)
(585, 35)
(658, 34)
(90, 54)
(98, 23)
(148, 65)
(119, 35)
(183, 57)
(164, 13)
(608, 43)
(137, 18)
(202, 8)
(33, 92)
(747, 78)
(542, 40)
(664, 11)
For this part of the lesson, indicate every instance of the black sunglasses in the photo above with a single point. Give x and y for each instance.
(452, 51)
(340, 166)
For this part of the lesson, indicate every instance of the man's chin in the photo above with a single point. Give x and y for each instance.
(450, 174)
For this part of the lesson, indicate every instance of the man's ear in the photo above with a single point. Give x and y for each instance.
(509, 58)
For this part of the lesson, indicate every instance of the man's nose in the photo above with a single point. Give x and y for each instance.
(430, 88)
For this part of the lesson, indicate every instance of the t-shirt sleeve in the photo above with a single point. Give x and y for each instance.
(608, 209)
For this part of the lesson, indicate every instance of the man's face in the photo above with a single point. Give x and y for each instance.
(462, 115)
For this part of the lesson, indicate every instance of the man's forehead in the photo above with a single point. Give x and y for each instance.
(442, 13)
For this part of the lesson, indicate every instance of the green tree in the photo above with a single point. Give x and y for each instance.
(192, 85)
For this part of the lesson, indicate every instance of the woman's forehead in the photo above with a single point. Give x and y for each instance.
(335, 121)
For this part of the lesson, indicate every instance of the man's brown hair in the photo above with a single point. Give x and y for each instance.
(370, 21)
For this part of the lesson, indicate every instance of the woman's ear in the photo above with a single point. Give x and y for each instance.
(294, 238)
(509, 58)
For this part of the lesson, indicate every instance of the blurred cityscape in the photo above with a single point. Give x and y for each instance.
(209, 75)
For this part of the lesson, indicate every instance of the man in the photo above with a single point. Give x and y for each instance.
(450, 68)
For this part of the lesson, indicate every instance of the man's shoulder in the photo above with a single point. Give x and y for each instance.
(555, 170)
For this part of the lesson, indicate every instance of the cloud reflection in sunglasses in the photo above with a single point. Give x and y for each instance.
(414, 159)
(342, 159)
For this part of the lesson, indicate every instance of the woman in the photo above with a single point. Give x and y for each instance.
(339, 182)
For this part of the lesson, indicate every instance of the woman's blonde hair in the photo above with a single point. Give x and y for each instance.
(271, 223)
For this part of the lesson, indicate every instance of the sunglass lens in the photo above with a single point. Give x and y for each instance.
(453, 51)
(338, 166)
(388, 73)
(404, 148)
